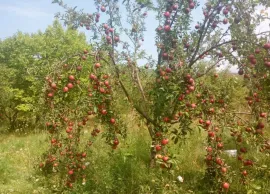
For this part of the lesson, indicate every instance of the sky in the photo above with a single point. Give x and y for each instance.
(33, 15)
(29, 16)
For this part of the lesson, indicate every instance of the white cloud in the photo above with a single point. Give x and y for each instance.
(32, 12)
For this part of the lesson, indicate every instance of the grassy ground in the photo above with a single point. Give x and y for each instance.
(124, 170)
(17, 158)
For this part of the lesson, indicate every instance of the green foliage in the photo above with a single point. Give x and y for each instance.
(25, 62)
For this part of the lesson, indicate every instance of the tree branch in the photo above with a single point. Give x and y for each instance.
(138, 109)
(173, 20)
(139, 83)
(202, 35)
(210, 49)
(209, 69)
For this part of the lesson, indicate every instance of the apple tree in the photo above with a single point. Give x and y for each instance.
(173, 95)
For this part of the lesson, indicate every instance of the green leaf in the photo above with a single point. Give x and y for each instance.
(95, 109)
(257, 187)
(24, 107)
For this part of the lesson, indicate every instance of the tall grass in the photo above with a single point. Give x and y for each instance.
(124, 170)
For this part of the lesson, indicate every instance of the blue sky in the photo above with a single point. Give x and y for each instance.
(33, 15)
(27, 15)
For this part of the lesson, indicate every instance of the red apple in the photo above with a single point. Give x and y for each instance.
(266, 46)
(97, 65)
(50, 95)
(244, 173)
(116, 142)
(167, 14)
(223, 170)
(263, 115)
(84, 154)
(103, 8)
(71, 78)
(165, 158)
(191, 5)
(53, 85)
(164, 141)
(225, 185)
(219, 161)
(70, 85)
(225, 11)
(167, 28)
(70, 172)
(112, 120)
(158, 147)
(225, 21)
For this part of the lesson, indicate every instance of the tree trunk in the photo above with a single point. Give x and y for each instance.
(152, 149)
(12, 125)
(12, 121)
(152, 155)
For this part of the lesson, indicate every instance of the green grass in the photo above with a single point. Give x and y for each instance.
(123, 171)
(18, 154)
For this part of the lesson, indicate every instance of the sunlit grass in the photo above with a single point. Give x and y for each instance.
(124, 170)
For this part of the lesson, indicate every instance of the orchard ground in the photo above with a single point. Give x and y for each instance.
(124, 170)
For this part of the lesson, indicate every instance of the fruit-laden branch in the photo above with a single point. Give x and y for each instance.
(173, 19)
(212, 48)
(137, 108)
(218, 45)
(176, 100)
(111, 23)
(203, 32)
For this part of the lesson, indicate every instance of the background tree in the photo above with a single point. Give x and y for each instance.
(26, 60)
